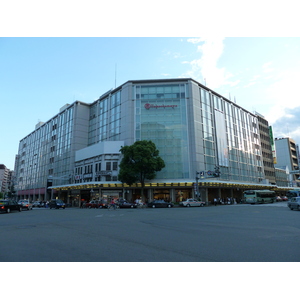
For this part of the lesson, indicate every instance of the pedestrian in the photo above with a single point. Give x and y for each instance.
(215, 201)
(113, 203)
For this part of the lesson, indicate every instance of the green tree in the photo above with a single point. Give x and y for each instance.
(140, 161)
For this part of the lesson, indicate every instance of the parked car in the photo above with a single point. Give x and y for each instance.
(9, 205)
(95, 204)
(191, 202)
(125, 204)
(284, 198)
(57, 203)
(25, 204)
(92, 204)
(294, 203)
(103, 204)
(160, 203)
(38, 204)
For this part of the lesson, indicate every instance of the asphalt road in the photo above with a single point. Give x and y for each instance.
(235, 233)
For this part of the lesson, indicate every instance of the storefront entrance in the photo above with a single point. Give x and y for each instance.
(182, 194)
(161, 195)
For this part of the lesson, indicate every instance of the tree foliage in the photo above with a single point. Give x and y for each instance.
(140, 161)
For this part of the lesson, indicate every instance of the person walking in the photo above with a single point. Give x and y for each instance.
(215, 201)
(113, 204)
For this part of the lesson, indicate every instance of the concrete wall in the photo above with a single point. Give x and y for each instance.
(98, 149)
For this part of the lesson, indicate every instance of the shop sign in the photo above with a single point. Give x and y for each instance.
(103, 173)
(90, 175)
(148, 106)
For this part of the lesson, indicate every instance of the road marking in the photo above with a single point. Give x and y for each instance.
(99, 216)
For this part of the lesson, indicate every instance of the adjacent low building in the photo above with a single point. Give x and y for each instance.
(5, 180)
(75, 155)
(287, 159)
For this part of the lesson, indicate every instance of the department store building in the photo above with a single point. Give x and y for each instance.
(75, 155)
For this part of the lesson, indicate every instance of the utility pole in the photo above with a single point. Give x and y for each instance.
(197, 183)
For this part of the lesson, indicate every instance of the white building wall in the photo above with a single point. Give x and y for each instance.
(112, 147)
(283, 154)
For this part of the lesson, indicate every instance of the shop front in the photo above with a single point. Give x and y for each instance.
(176, 192)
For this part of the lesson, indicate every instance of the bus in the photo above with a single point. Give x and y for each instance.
(259, 196)
(293, 193)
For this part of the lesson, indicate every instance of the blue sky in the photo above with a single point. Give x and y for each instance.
(40, 75)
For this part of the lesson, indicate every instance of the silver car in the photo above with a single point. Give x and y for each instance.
(191, 202)
(25, 204)
(294, 203)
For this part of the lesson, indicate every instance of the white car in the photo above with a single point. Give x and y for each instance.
(191, 202)
(37, 204)
(25, 204)
(294, 203)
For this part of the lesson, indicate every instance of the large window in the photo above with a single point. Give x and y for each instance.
(110, 118)
(161, 118)
(208, 130)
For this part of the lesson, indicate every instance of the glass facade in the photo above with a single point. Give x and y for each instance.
(209, 142)
(46, 152)
(105, 119)
(161, 118)
(231, 139)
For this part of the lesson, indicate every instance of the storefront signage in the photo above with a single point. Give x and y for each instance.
(103, 173)
(88, 175)
(148, 106)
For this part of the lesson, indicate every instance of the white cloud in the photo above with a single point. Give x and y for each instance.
(269, 90)
(266, 68)
(205, 69)
(234, 83)
(255, 77)
(287, 125)
(171, 54)
(283, 94)
(249, 84)
(195, 40)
